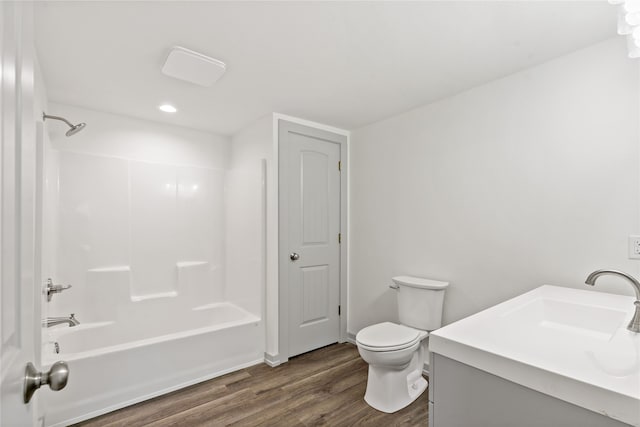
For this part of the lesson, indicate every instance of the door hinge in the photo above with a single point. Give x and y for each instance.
(339, 310)
(339, 165)
(339, 238)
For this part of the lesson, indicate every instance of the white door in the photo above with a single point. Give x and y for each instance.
(313, 248)
(18, 308)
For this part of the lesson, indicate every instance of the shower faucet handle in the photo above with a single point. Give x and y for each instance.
(54, 289)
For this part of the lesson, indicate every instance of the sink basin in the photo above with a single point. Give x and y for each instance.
(568, 343)
(567, 319)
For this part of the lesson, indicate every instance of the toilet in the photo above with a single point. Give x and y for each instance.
(396, 352)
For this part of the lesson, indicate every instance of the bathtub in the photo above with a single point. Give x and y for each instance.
(113, 365)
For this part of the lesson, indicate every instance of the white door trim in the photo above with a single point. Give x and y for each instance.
(283, 237)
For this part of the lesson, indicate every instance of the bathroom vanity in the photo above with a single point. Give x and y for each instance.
(551, 357)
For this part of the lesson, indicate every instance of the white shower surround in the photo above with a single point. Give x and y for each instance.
(163, 243)
(130, 231)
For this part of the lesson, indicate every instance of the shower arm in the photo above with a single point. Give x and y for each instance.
(47, 116)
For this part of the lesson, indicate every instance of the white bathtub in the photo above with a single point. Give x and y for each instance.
(113, 364)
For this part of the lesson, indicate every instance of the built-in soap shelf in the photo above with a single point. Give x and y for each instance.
(210, 306)
(114, 269)
(187, 264)
(194, 283)
(137, 298)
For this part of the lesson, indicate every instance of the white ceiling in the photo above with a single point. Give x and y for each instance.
(345, 64)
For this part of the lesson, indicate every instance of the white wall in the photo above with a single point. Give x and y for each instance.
(527, 180)
(244, 242)
(248, 148)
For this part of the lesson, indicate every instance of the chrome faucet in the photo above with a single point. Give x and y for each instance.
(53, 321)
(634, 325)
(51, 289)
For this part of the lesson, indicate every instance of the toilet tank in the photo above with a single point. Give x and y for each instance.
(420, 302)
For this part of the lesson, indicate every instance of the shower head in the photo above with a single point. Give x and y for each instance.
(74, 128)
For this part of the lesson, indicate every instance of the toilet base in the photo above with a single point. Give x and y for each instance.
(390, 390)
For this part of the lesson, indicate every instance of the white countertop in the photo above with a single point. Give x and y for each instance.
(568, 343)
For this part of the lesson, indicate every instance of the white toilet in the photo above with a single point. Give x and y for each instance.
(395, 353)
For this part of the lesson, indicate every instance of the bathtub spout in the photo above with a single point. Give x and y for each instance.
(53, 321)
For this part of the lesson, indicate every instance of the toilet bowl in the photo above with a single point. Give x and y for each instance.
(396, 352)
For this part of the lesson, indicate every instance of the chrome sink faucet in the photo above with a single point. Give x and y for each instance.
(634, 325)
(53, 321)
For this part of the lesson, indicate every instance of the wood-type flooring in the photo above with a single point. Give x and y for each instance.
(324, 387)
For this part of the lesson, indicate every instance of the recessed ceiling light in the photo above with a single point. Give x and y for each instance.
(167, 108)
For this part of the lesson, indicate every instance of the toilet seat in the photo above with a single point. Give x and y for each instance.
(387, 336)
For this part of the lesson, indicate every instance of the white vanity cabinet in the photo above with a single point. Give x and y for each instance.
(461, 396)
(554, 356)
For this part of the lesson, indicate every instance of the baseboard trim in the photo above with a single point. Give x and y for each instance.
(272, 360)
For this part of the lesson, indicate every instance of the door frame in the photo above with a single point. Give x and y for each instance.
(283, 231)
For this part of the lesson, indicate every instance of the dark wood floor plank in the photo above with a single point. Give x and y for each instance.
(209, 411)
(324, 379)
(284, 412)
(323, 387)
(142, 413)
(295, 370)
(413, 415)
(145, 414)
(256, 409)
(316, 413)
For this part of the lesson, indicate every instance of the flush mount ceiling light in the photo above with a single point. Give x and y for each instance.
(629, 24)
(193, 67)
(167, 108)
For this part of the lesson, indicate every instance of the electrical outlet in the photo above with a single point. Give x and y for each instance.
(634, 246)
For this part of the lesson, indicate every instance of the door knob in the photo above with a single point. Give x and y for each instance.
(294, 256)
(56, 378)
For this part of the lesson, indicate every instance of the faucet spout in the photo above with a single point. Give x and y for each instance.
(634, 325)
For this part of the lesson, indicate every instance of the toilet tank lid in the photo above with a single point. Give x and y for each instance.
(419, 282)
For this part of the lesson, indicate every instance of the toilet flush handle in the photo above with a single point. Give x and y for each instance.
(394, 286)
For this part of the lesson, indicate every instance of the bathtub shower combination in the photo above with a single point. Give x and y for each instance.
(166, 265)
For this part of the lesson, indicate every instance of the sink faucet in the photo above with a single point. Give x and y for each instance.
(53, 321)
(634, 325)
